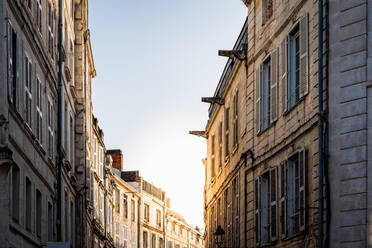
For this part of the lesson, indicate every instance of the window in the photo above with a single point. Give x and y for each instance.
(174, 227)
(38, 16)
(125, 236)
(213, 172)
(293, 194)
(72, 141)
(125, 206)
(235, 120)
(227, 130)
(101, 166)
(267, 10)
(66, 217)
(51, 24)
(95, 160)
(170, 244)
(28, 85)
(220, 145)
(158, 218)
(72, 223)
(39, 211)
(101, 207)
(39, 113)
(161, 243)
(294, 65)
(12, 60)
(50, 222)
(266, 207)
(267, 92)
(235, 213)
(146, 212)
(50, 129)
(177, 246)
(65, 128)
(15, 192)
(153, 241)
(145, 244)
(28, 205)
(133, 210)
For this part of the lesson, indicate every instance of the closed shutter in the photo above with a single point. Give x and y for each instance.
(283, 73)
(9, 57)
(274, 87)
(257, 206)
(258, 98)
(302, 193)
(304, 84)
(283, 199)
(273, 204)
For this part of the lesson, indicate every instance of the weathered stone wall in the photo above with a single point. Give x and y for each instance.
(350, 122)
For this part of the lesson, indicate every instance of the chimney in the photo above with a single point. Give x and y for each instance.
(117, 157)
(168, 203)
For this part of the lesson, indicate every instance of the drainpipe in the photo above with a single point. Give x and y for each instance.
(59, 145)
(320, 122)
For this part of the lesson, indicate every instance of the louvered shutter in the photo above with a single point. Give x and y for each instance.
(15, 63)
(304, 84)
(283, 199)
(257, 212)
(283, 73)
(274, 86)
(273, 204)
(258, 98)
(9, 57)
(302, 193)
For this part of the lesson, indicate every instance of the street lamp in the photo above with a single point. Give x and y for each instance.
(219, 236)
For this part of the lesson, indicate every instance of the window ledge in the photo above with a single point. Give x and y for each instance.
(294, 106)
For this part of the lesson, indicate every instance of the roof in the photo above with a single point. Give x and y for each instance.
(240, 44)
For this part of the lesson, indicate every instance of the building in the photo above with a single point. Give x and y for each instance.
(227, 133)
(126, 198)
(306, 110)
(349, 123)
(263, 119)
(28, 114)
(179, 234)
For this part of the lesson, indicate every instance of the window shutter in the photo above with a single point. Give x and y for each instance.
(274, 86)
(258, 98)
(283, 199)
(302, 162)
(257, 207)
(304, 85)
(273, 204)
(283, 73)
(9, 57)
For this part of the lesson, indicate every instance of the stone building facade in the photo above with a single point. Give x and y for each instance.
(265, 193)
(178, 234)
(350, 123)
(28, 113)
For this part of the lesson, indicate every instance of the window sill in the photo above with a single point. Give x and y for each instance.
(294, 106)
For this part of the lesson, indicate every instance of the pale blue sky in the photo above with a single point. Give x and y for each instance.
(155, 59)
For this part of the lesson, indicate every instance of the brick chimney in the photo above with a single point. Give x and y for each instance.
(117, 157)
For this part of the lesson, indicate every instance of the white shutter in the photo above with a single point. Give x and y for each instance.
(283, 199)
(304, 68)
(274, 86)
(284, 73)
(302, 193)
(273, 204)
(258, 98)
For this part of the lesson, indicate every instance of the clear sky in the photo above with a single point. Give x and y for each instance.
(155, 59)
